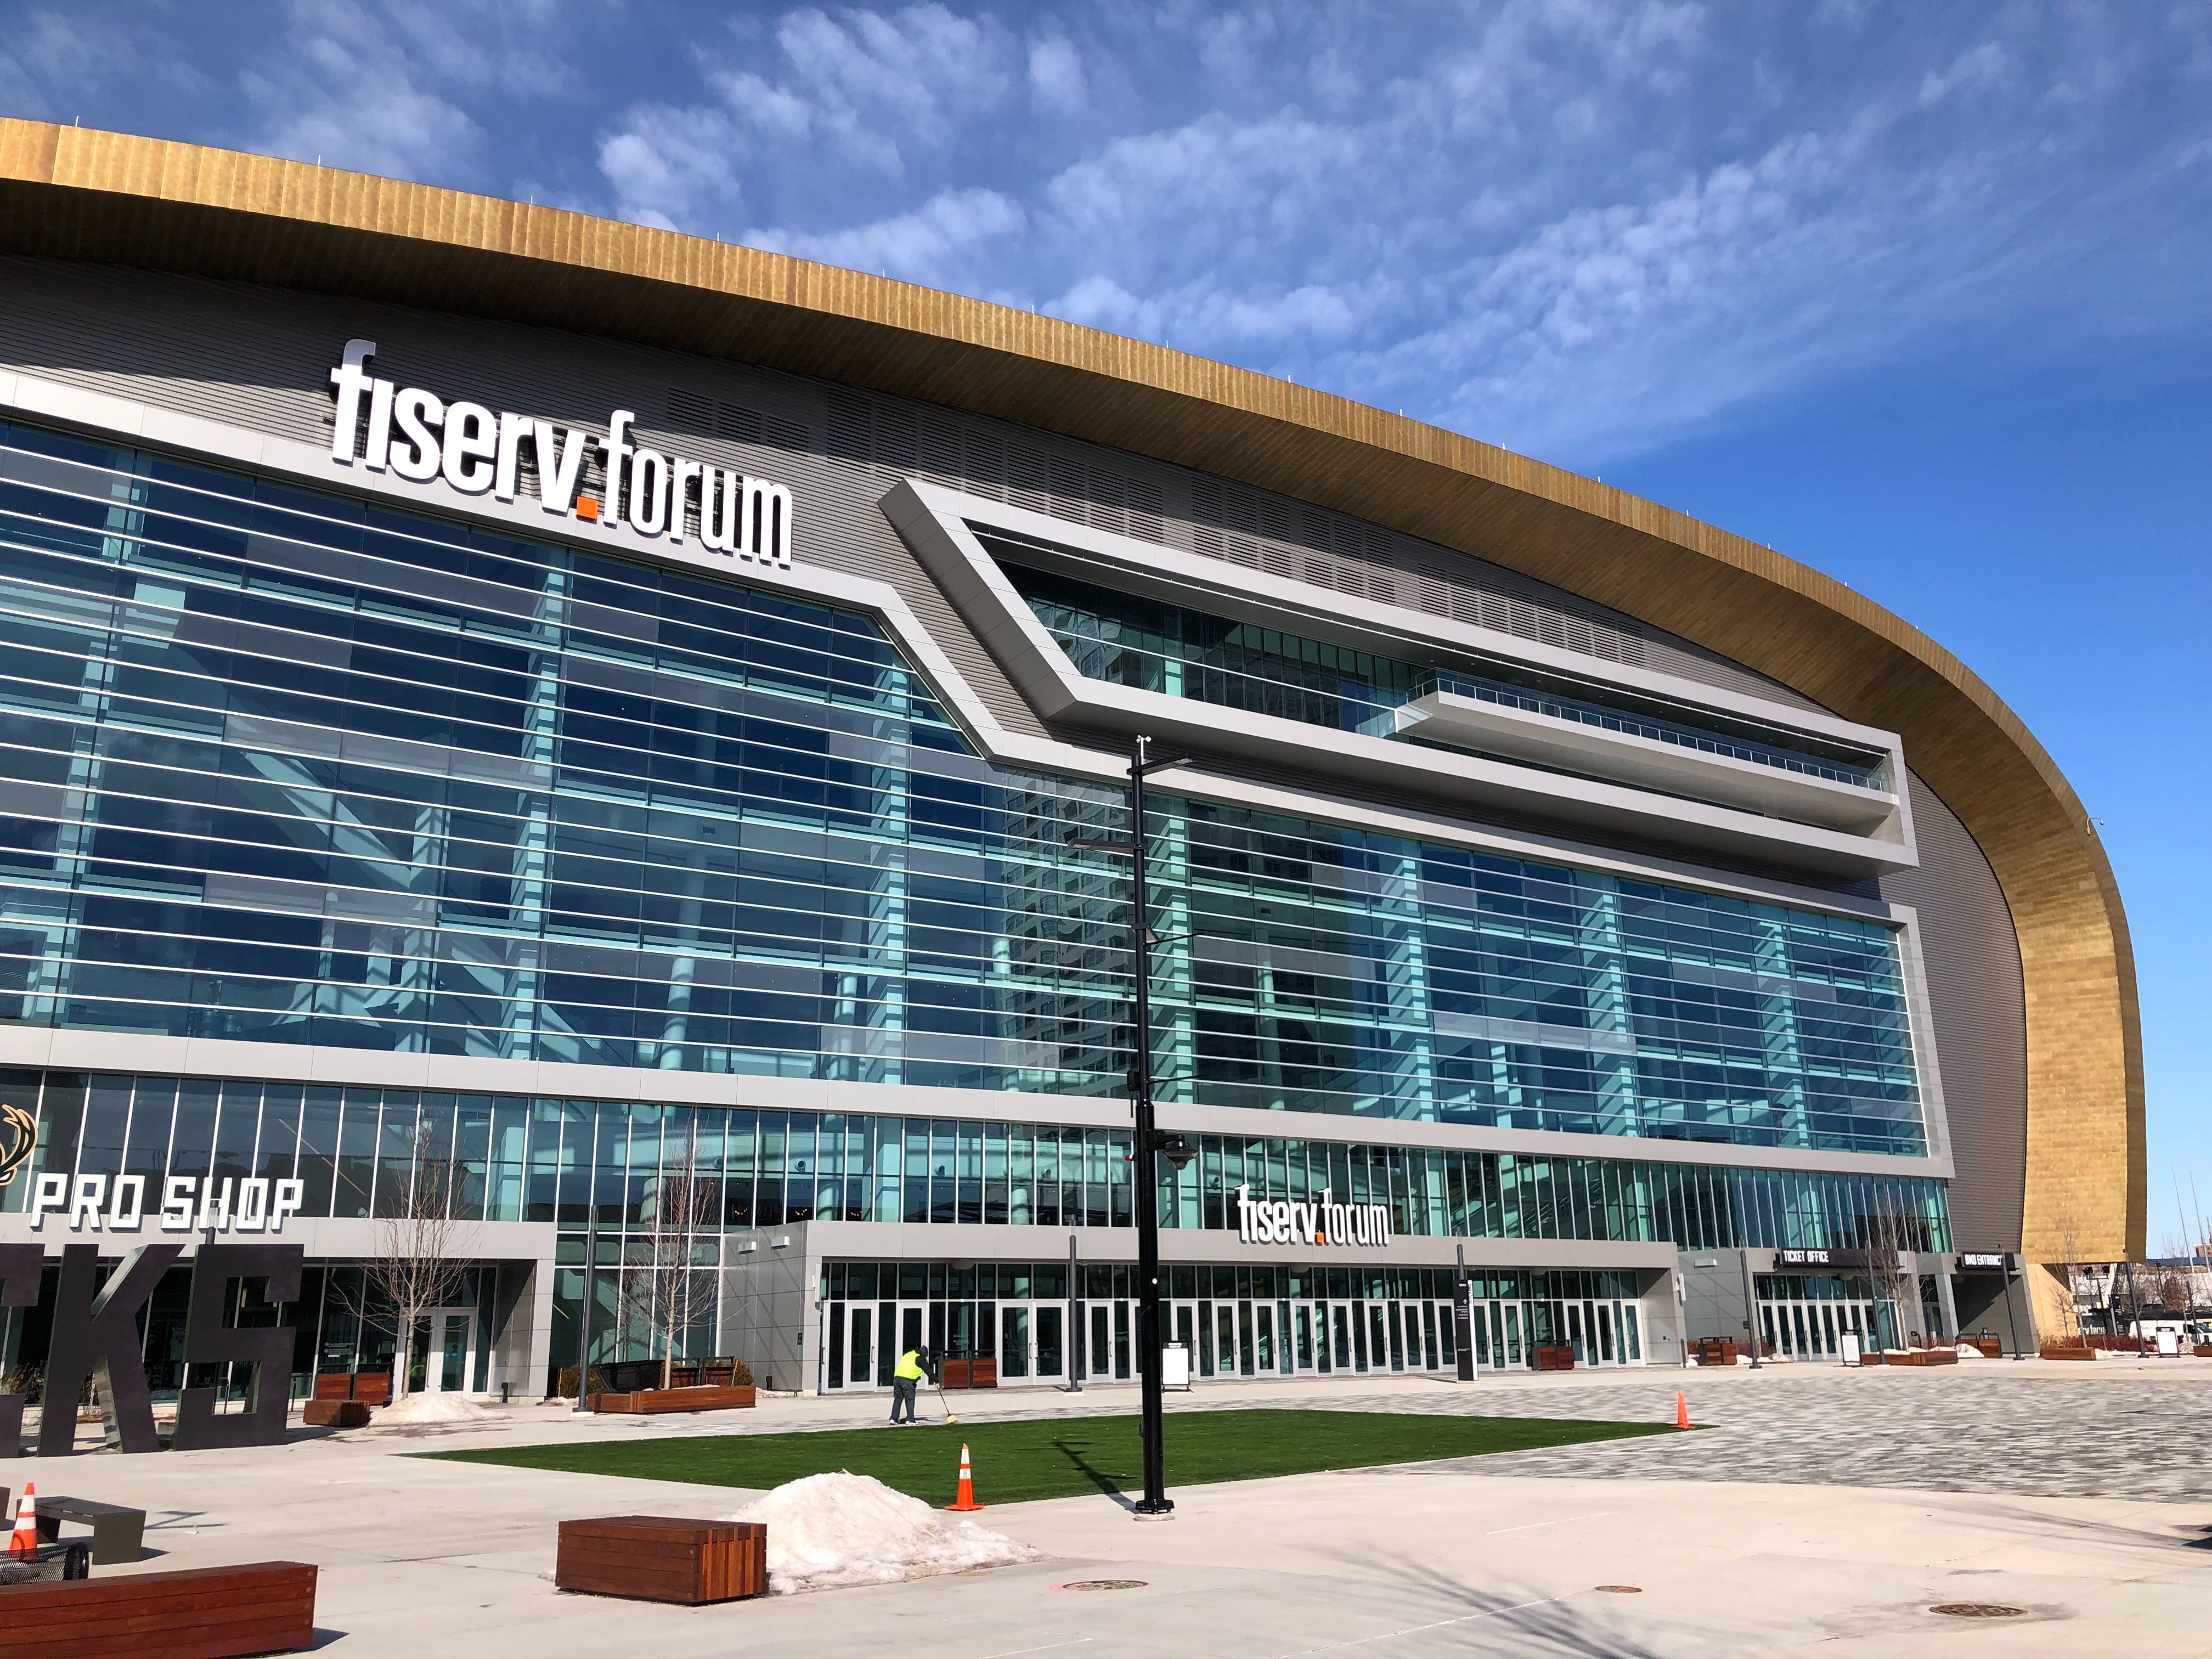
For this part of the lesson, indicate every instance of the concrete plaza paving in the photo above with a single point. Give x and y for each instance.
(1820, 1506)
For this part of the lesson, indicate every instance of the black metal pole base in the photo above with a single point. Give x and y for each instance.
(1154, 1509)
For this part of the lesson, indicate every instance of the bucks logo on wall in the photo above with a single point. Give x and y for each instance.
(19, 1139)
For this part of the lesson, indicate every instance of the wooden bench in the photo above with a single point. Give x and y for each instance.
(651, 1402)
(370, 1388)
(655, 1558)
(207, 1612)
(970, 1374)
(335, 1414)
(118, 1532)
(1922, 1356)
(2068, 1351)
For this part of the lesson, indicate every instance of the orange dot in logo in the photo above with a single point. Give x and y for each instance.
(587, 507)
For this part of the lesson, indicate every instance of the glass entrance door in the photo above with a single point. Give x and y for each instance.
(855, 1367)
(447, 1345)
(1806, 1317)
(1109, 1341)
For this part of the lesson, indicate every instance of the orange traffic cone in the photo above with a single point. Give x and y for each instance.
(967, 1498)
(1682, 1410)
(24, 1541)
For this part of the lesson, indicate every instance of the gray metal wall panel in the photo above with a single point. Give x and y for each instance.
(259, 357)
(1976, 998)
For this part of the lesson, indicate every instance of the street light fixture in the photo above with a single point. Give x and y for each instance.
(1150, 1143)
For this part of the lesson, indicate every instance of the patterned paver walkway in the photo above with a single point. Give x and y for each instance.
(1967, 1431)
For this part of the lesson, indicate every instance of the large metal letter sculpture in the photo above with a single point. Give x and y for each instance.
(19, 1266)
(96, 1336)
(267, 1348)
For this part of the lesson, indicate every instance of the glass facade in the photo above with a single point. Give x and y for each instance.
(578, 1162)
(283, 767)
(1128, 639)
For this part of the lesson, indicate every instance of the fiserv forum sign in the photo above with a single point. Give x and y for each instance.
(417, 435)
(1291, 1221)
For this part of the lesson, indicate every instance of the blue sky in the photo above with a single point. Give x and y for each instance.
(1916, 294)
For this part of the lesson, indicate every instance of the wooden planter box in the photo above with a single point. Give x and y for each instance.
(370, 1388)
(335, 1413)
(1711, 1350)
(1990, 1347)
(970, 1374)
(651, 1557)
(1555, 1359)
(1925, 1356)
(210, 1613)
(652, 1402)
(2068, 1351)
(2203, 1351)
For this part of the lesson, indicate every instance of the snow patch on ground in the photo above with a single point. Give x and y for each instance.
(420, 1408)
(834, 1531)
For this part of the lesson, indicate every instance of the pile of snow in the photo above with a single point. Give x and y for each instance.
(1968, 1350)
(833, 1531)
(420, 1408)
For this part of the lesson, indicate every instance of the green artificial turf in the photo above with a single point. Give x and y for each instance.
(1060, 1457)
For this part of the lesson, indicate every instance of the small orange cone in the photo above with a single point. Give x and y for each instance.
(967, 1498)
(1682, 1410)
(24, 1541)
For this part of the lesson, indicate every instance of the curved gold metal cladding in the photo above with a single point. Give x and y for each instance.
(67, 193)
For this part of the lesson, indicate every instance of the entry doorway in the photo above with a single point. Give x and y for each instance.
(441, 1352)
(1109, 1335)
(1806, 1317)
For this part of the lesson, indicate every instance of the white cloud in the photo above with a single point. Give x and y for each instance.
(1976, 70)
(922, 246)
(49, 62)
(1216, 170)
(1056, 82)
(344, 94)
(666, 162)
(875, 86)
(380, 88)
(450, 41)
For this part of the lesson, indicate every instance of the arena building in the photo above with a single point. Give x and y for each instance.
(624, 734)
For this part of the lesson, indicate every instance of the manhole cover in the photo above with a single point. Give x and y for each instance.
(1622, 1589)
(1976, 1610)
(1105, 1584)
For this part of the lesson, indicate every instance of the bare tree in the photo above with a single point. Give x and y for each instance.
(420, 1256)
(2078, 1279)
(663, 1292)
(1891, 1236)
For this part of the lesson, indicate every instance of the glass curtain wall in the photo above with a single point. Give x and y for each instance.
(285, 767)
(632, 1168)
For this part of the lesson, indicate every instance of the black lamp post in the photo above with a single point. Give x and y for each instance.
(1150, 1143)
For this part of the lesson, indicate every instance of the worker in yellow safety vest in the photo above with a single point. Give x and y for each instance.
(904, 1376)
